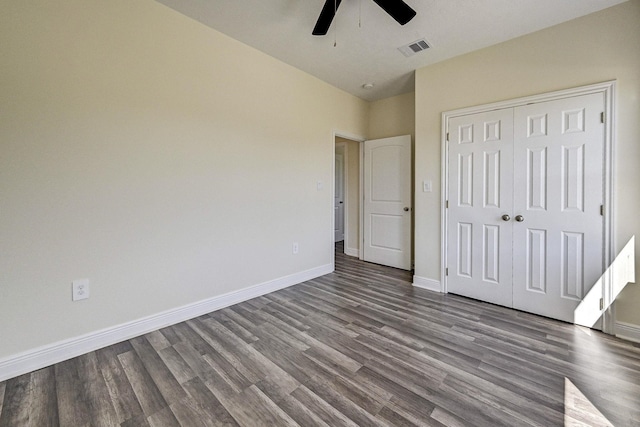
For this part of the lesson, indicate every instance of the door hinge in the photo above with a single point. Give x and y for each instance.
(602, 117)
(446, 271)
(447, 136)
(446, 204)
(601, 303)
(602, 210)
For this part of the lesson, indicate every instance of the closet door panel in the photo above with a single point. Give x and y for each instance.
(480, 192)
(558, 191)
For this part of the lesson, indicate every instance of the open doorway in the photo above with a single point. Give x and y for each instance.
(386, 216)
(347, 189)
(339, 194)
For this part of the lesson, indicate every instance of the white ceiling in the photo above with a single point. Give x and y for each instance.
(368, 53)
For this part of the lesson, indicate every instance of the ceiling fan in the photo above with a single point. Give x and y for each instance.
(397, 9)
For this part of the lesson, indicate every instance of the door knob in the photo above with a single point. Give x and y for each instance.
(406, 209)
(506, 217)
(519, 218)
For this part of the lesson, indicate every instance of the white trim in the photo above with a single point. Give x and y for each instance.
(628, 331)
(428, 284)
(604, 87)
(444, 191)
(345, 194)
(41, 357)
(609, 315)
(352, 252)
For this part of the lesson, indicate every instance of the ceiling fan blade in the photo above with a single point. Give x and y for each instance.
(326, 17)
(399, 10)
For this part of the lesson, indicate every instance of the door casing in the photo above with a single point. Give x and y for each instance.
(607, 89)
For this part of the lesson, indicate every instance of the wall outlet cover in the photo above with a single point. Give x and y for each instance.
(80, 289)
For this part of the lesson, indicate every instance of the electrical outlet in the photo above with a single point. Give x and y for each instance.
(295, 248)
(80, 289)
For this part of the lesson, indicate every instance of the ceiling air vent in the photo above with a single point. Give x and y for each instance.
(413, 48)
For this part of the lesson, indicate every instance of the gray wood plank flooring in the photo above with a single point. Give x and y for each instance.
(359, 347)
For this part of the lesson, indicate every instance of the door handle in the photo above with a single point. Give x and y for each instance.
(506, 217)
(406, 209)
(519, 218)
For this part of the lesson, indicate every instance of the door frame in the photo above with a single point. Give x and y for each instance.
(360, 140)
(607, 89)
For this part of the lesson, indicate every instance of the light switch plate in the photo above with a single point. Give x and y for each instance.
(426, 186)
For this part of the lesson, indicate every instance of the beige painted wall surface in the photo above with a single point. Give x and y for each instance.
(599, 47)
(160, 159)
(393, 116)
(352, 219)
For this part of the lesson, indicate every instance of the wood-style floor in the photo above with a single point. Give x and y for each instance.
(360, 347)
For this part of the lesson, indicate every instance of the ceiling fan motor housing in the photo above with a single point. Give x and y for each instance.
(397, 9)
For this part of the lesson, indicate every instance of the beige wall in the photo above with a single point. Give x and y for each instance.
(352, 189)
(392, 117)
(160, 159)
(599, 47)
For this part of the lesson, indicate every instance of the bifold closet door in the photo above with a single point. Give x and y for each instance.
(480, 194)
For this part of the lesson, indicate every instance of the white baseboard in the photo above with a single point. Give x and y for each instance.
(352, 252)
(628, 331)
(63, 350)
(429, 284)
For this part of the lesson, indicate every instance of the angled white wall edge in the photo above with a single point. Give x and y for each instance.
(428, 284)
(44, 356)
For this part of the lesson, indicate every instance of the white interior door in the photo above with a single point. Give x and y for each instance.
(558, 229)
(480, 194)
(525, 190)
(339, 198)
(387, 201)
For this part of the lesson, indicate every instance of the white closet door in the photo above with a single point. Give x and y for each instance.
(480, 194)
(558, 180)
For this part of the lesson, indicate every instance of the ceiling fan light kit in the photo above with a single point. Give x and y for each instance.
(397, 9)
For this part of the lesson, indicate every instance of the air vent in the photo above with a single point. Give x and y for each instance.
(413, 48)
